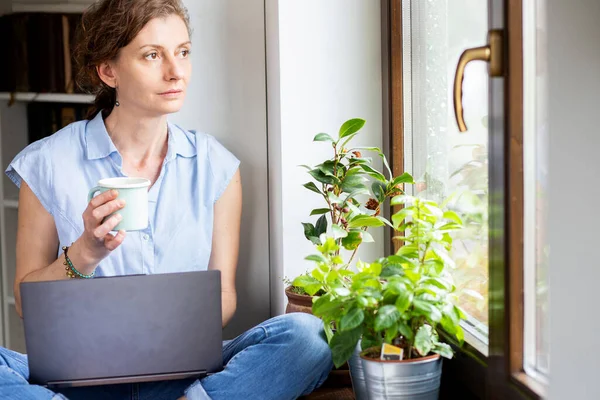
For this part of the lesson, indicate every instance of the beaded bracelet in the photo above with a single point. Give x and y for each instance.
(71, 270)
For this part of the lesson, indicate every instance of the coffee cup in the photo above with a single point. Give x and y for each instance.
(135, 193)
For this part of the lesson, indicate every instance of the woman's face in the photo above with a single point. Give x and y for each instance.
(152, 72)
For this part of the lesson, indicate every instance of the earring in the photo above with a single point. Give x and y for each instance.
(117, 103)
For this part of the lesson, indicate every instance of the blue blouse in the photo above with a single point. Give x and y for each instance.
(62, 168)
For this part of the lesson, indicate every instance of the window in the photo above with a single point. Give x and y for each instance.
(448, 164)
(535, 130)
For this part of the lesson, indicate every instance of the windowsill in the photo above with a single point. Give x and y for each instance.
(531, 385)
(476, 343)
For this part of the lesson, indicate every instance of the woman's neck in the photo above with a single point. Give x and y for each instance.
(139, 140)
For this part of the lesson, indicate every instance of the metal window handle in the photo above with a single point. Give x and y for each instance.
(492, 53)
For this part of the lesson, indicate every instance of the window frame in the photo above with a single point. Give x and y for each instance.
(500, 374)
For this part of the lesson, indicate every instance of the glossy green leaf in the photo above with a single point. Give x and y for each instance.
(328, 331)
(443, 350)
(352, 240)
(352, 319)
(321, 225)
(404, 178)
(343, 344)
(309, 230)
(391, 333)
(352, 183)
(325, 304)
(401, 199)
(308, 283)
(386, 316)
(338, 232)
(405, 330)
(451, 215)
(322, 137)
(317, 258)
(342, 291)
(311, 186)
(366, 237)
(351, 126)
(428, 310)
(319, 211)
(423, 340)
(365, 220)
(379, 190)
(320, 176)
(373, 173)
(404, 300)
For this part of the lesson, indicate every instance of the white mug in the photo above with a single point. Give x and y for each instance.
(135, 193)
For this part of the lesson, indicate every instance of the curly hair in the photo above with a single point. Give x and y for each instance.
(106, 27)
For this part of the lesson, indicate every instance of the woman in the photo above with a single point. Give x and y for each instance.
(134, 55)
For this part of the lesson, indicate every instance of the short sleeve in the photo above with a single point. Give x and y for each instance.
(223, 165)
(33, 166)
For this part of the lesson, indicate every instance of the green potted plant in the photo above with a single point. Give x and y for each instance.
(352, 191)
(405, 299)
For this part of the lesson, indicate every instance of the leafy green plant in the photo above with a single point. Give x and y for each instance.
(403, 298)
(353, 192)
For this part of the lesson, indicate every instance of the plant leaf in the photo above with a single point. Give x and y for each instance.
(352, 240)
(309, 230)
(343, 344)
(328, 331)
(321, 225)
(443, 350)
(352, 183)
(320, 176)
(311, 186)
(451, 215)
(342, 291)
(316, 257)
(308, 283)
(366, 237)
(352, 319)
(386, 316)
(428, 310)
(373, 172)
(325, 304)
(401, 199)
(404, 300)
(319, 211)
(338, 232)
(404, 178)
(405, 330)
(379, 189)
(365, 220)
(391, 333)
(351, 126)
(423, 340)
(322, 137)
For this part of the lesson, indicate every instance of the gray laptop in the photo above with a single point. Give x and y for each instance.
(123, 329)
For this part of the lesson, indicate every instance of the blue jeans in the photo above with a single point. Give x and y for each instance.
(282, 358)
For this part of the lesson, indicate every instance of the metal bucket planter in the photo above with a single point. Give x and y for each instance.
(417, 379)
(357, 375)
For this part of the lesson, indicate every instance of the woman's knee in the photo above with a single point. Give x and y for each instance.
(308, 336)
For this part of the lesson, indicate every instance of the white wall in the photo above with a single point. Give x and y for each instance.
(574, 102)
(323, 67)
(227, 98)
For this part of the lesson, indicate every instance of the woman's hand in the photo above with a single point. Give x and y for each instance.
(96, 242)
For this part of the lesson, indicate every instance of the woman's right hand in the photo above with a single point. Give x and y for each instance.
(96, 242)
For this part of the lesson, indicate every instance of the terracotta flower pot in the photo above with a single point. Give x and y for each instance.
(298, 302)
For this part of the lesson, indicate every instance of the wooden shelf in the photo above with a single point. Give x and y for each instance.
(75, 8)
(48, 97)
